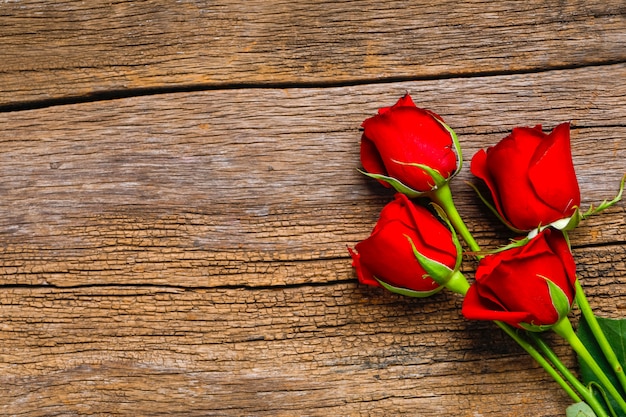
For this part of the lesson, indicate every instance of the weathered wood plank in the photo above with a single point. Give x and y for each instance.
(259, 187)
(53, 50)
(178, 219)
(339, 349)
(184, 253)
(313, 350)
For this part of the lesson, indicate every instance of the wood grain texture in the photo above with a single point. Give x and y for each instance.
(53, 49)
(178, 219)
(178, 186)
(325, 350)
(259, 187)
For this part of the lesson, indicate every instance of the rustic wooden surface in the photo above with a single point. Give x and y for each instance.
(178, 187)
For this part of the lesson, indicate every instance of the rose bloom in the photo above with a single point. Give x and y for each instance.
(531, 176)
(388, 255)
(405, 134)
(511, 286)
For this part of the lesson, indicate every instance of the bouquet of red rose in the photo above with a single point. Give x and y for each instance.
(527, 287)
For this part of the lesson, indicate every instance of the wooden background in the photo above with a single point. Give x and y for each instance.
(178, 186)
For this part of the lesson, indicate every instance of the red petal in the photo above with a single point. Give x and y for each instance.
(371, 160)
(478, 308)
(405, 101)
(431, 237)
(409, 135)
(479, 168)
(364, 276)
(562, 251)
(551, 173)
(508, 163)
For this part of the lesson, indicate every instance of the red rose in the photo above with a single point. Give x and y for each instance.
(388, 254)
(402, 135)
(520, 286)
(531, 176)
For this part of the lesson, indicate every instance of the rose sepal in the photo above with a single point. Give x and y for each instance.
(439, 272)
(565, 225)
(606, 204)
(514, 244)
(455, 239)
(408, 292)
(400, 187)
(396, 184)
(443, 275)
(458, 283)
(457, 147)
(451, 279)
(561, 305)
(570, 223)
(438, 179)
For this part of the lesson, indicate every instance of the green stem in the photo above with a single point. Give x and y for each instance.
(564, 329)
(588, 396)
(443, 197)
(530, 349)
(606, 348)
(461, 286)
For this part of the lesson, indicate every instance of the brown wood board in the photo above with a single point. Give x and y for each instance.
(178, 186)
(56, 50)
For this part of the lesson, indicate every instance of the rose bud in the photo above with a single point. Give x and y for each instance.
(402, 145)
(387, 257)
(531, 177)
(530, 286)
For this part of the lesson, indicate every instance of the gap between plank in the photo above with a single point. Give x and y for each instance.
(188, 88)
(180, 287)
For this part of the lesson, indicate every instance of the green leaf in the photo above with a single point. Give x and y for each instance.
(615, 332)
(580, 409)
